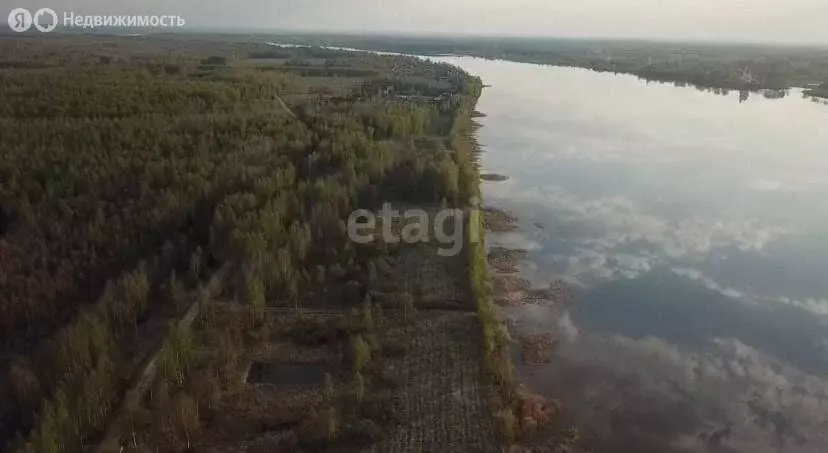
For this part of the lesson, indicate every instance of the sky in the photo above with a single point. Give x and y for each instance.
(793, 21)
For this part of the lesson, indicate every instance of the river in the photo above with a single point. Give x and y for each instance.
(692, 228)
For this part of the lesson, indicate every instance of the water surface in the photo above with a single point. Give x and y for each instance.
(287, 375)
(693, 227)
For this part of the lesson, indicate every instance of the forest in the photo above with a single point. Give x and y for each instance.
(136, 172)
(744, 67)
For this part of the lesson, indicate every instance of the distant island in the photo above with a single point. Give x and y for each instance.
(493, 177)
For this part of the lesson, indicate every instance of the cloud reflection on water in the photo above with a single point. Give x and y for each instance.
(693, 227)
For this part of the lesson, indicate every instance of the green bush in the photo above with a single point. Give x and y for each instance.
(361, 351)
(506, 425)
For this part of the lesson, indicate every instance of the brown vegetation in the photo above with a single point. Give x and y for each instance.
(498, 221)
(537, 349)
(505, 260)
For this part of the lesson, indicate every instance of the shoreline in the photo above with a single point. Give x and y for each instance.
(497, 364)
(739, 83)
(523, 419)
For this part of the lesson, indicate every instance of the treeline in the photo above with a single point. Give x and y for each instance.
(123, 185)
(303, 68)
(117, 93)
(727, 66)
(517, 414)
(820, 91)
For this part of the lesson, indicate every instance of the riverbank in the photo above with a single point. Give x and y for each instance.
(524, 420)
(704, 65)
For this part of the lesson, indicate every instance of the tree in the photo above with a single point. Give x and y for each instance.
(406, 304)
(25, 384)
(256, 299)
(319, 275)
(292, 292)
(206, 309)
(127, 298)
(506, 425)
(48, 438)
(196, 263)
(299, 241)
(215, 393)
(328, 389)
(359, 386)
(379, 317)
(131, 408)
(135, 289)
(361, 352)
(186, 416)
(228, 353)
(177, 355)
(284, 266)
(331, 423)
(175, 292)
(367, 315)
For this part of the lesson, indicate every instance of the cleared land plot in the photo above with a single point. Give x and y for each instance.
(435, 281)
(441, 403)
(235, 412)
(264, 386)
